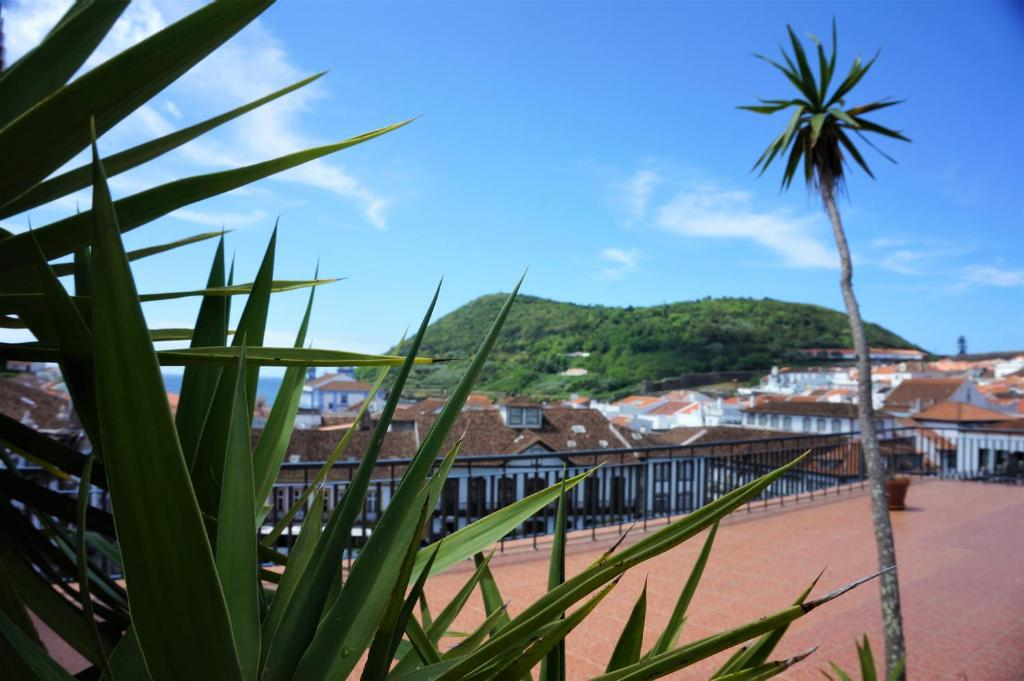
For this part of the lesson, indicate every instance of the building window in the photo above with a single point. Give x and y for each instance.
(787, 423)
(837, 425)
(524, 416)
(773, 422)
(821, 425)
(762, 419)
(807, 424)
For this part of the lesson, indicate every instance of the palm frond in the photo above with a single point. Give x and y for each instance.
(815, 134)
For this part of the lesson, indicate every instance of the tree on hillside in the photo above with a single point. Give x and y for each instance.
(819, 137)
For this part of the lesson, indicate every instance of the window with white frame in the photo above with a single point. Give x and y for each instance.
(524, 417)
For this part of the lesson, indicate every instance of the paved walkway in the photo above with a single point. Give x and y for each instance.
(960, 547)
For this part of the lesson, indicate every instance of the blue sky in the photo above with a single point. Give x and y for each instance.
(597, 144)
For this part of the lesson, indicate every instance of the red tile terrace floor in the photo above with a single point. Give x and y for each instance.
(960, 548)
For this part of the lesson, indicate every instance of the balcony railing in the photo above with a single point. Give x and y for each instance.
(644, 485)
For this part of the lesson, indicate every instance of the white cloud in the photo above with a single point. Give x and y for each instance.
(622, 262)
(251, 64)
(172, 108)
(705, 210)
(154, 121)
(636, 193)
(27, 22)
(904, 261)
(257, 63)
(917, 257)
(989, 275)
(215, 220)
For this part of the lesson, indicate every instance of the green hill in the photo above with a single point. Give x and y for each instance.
(627, 345)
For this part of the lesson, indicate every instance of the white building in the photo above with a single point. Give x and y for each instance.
(795, 380)
(724, 412)
(969, 440)
(917, 394)
(672, 414)
(337, 392)
(809, 417)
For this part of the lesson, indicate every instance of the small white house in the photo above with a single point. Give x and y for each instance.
(336, 392)
(674, 414)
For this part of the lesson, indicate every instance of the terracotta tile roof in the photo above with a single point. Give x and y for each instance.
(521, 401)
(832, 409)
(479, 401)
(693, 435)
(483, 432)
(638, 400)
(342, 385)
(838, 392)
(959, 412)
(35, 407)
(922, 391)
(315, 445)
(408, 412)
(670, 408)
(932, 436)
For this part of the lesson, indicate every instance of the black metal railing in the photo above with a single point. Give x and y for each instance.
(643, 485)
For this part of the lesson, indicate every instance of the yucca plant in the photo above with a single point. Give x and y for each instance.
(202, 597)
(820, 137)
(868, 670)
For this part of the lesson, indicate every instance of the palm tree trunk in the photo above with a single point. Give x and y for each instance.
(892, 618)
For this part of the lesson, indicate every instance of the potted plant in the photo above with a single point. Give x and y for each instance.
(896, 491)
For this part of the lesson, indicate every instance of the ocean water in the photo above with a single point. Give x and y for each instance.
(266, 388)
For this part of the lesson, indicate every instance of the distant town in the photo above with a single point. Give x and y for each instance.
(941, 399)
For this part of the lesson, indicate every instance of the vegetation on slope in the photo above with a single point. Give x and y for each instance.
(631, 344)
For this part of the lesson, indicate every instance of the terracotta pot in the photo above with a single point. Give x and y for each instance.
(896, 489)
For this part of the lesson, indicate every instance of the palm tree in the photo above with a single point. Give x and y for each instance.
(819, 134)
